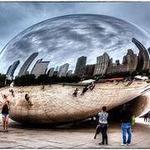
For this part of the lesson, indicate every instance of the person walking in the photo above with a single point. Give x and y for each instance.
(103, 125)
(126, 123)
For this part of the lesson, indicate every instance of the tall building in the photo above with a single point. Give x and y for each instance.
(11, 70)
(69, 73)
(26, 65)
(80, 66)
(51, 72)
(131, 60)
(143, 57)
(89, 71)
(102, 64)
(129, 64)
(63, 70)
(40, 68)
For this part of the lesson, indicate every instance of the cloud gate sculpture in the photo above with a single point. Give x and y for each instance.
(62, 40)
(55, 104)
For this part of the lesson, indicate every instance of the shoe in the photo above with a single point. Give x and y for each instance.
(101, 143)
(123, 144)
(128, 144)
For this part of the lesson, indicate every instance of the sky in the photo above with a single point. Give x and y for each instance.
(17, 16)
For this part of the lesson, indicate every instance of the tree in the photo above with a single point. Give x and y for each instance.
(25, 80)
(2, 80)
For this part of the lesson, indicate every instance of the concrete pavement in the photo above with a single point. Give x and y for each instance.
(24, 137)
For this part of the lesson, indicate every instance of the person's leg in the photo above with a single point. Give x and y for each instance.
(96, 132)
(7, 121)
(105, 135)
(124, 130)
(129, 135)
(3, 118)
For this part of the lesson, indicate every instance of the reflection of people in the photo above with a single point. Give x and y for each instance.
(91, 86)
(27, 98)
(103, 125)
(12, 92)
(145, 117)
(75, 93)
(5, 114)
(126, 120)
(84, 90)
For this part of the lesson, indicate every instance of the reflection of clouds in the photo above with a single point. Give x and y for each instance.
(66, 38)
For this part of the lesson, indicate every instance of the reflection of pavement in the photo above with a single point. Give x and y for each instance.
(23, 137)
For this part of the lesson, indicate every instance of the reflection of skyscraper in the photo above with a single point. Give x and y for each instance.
(40, 68)
(11, 70)
(102, 64)
(143, 57)
(51, 72)
(131, 61)
(80, 66)
(63, 70)
(69, 73)
(89, 70)
(26, 64)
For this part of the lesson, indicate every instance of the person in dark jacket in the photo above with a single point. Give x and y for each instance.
(126, 123)
(5, 115)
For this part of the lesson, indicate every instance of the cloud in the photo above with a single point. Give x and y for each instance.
(16, 17)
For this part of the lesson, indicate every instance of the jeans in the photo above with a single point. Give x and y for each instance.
(104, 133)
(126, 129)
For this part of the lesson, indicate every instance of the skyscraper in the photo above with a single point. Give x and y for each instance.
(63, 70)
(11, 70)
(69, 73)
(89, 70)
(131, 60)
(26, 64)
(102, 64)
(51, 72)
(80, 66)
(143, 57)
(40, 68)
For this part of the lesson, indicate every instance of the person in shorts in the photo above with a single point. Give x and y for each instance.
(5, 115)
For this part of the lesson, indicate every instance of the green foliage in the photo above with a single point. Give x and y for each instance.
(25, 80)
(2, 80)
(28, 80)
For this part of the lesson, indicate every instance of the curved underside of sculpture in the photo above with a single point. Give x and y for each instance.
(55, 104)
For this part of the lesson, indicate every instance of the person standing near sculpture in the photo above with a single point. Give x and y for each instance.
(103, 125)
(126, 124)
(5, 113)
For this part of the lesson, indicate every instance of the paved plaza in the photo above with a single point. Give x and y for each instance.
(75, 137)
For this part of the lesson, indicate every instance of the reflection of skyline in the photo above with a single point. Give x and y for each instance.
(131, 62)
(68, 37)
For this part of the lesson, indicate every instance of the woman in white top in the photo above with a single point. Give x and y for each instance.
(102, 126)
